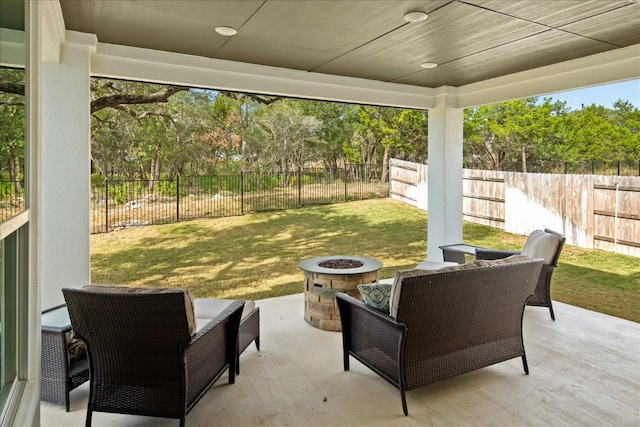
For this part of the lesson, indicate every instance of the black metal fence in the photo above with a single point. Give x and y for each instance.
(11, 198)
(118, 204)
(622, 168)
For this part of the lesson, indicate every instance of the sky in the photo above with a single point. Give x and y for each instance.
(604, 95)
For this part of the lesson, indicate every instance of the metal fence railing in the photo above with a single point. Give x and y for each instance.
(11, 199)
(585, 167)
(118, 204)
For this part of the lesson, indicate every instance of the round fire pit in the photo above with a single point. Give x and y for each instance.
(324, 277)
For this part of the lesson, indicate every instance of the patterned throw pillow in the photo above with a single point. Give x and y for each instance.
(376, 295)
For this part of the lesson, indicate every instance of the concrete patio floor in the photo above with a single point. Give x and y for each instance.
(585, 371)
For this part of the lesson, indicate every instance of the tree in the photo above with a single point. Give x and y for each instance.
(336, 122)
(627, 118)
(413, 126)
(12, 125)
(281, 137)
(513, 131)
(592, 134)
(484, 140)
(138, 127)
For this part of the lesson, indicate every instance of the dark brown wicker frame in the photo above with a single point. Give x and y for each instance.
(249, 332)
(59, 374)
(142, 358)
(542, 294)
(448, 323)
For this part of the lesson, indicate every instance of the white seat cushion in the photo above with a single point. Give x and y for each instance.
(206, 309)
(434, 265)
(541, 245)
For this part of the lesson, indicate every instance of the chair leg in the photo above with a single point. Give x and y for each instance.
(88, 420)
(404, 403)
(257, 341)
(182, 422)
(524, 364)
(345, 361)
(553, 317)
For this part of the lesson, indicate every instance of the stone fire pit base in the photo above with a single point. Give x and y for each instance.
(321, 285)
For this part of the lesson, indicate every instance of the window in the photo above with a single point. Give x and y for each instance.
(13, 223)
(14, 217)
(8, 303)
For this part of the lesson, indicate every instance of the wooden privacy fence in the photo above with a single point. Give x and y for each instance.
(592, 211)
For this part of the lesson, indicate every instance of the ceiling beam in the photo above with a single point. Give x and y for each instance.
(123, 62)
(603, 68)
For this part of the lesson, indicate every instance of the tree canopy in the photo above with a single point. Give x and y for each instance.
(148, 131)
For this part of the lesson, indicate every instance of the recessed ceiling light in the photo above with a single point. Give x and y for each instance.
(415, 16)
(226, 31)
(428, 65)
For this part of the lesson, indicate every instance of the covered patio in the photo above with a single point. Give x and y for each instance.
(585, 366)
(585, 371)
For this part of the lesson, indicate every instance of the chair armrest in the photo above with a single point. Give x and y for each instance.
(370, 336)
(212, 350)
(347, 302)
(489, 254)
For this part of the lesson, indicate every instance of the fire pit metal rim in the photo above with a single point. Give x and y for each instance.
(368, 265)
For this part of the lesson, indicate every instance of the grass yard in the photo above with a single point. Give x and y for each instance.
(256, 256)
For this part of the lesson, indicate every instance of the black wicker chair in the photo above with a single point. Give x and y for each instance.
(447, 323)
(550, 252)
(61, 370)
(145, 356)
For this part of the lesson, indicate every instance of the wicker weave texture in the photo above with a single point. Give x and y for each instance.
(542, 294)
(142, 358)
(249, 330)
(447, 324)
(59, 374)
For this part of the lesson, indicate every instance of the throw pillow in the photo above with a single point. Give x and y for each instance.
(76, 349)
(376, 295)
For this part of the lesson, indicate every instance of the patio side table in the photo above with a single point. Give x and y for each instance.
(59, 374)
(457, 252)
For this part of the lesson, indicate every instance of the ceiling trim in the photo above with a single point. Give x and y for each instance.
(608, 67)
(123, 62)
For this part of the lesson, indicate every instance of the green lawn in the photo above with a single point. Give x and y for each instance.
(256, 256)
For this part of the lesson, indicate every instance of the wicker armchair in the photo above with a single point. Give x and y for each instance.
(446, 322)
(545, 244)
(145, 355)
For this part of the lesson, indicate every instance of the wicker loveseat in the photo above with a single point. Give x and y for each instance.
(441, 323)
(148, 354)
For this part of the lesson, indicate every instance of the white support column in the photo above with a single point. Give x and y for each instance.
(444, 173)
(65, 173)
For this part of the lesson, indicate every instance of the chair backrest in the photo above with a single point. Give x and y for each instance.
(131, 338)
(544, 244)
(448, 310)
